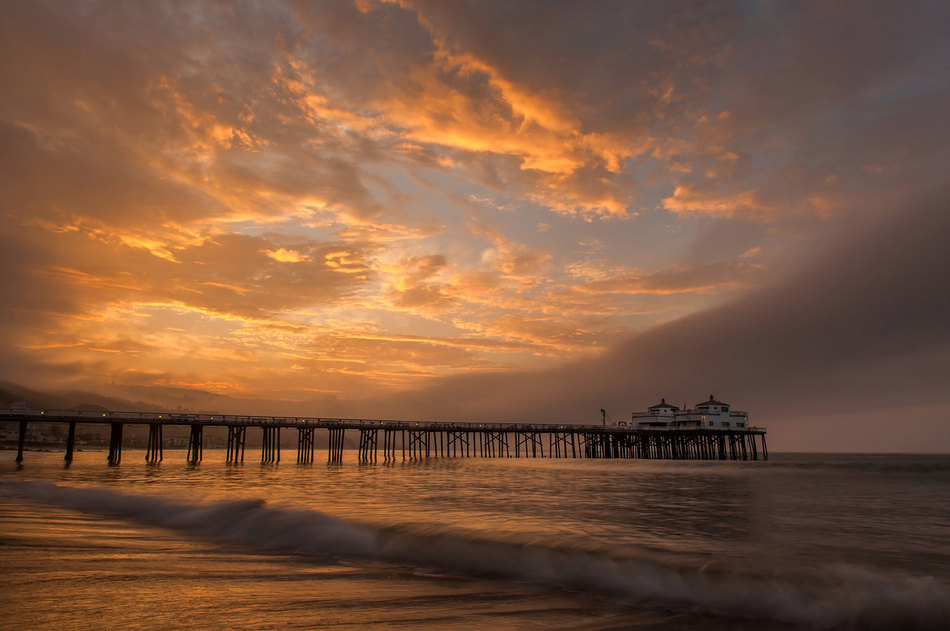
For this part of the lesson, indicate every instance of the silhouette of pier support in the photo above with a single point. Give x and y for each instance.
(21, 442)
(522, 442)
(389, 444)
(560, 441)
(154, 451)
(115, 443)
(236, 437)
(196, 444)
(367, 449)
(70, 441)
(270, 444)
(497, 445)
(457, 444)
(336, 445)
(304, 445)
(418, 444)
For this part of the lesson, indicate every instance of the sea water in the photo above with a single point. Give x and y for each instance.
(798, 542)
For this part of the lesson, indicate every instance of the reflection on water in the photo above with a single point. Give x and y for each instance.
(607, 525)
(800, 506)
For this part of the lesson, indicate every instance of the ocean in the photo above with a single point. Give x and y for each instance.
(799, 542)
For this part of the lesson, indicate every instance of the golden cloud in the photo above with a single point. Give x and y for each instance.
(688, 199)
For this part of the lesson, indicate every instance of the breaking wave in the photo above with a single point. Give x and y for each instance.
(839, 596)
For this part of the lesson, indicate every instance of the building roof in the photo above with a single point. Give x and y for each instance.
(712, 401)
(662, 404)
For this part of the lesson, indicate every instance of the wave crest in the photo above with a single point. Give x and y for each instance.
(840, 596)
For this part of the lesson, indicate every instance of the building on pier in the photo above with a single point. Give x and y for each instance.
(712, 414)
(659, 416)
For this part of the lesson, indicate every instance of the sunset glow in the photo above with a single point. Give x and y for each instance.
(320, 203)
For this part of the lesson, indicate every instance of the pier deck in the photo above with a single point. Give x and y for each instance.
(411, 439)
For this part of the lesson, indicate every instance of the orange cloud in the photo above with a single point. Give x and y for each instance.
(283, 255)
(710, 278)
(461, 103)
(687, 199)
(378, 194)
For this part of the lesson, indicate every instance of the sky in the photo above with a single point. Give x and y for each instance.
(485, 210)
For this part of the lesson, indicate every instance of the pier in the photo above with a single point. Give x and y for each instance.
(388, 441)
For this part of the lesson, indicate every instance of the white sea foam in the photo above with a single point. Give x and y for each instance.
(835, 597)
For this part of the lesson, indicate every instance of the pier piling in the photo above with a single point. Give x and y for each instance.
(115, 443)
(270, 444)
(367, 449)
(70, 441)
(236, 436)
(195, 444)
(336, 435)
(304, 445)
(21, 442)
(154, 450)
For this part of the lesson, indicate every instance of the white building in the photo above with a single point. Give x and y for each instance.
(707, 414)
(660, 415)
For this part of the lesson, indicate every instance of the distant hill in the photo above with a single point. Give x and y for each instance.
(117, 397)
(11, 393)
(172, 398)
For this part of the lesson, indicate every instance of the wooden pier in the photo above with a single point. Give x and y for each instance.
(402, 440)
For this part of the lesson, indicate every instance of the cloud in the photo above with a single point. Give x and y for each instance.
(283, 255)
(266, 197)
(713, 277)
(415, 285)
(512, 260)
(689, 199)
(860, 331)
